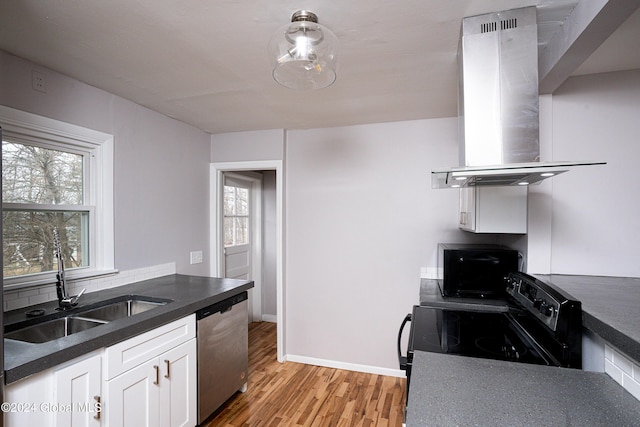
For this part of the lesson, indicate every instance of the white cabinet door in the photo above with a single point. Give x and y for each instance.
(77, 387)
(160, 392)
(29, 399)
(178, 388)
(62, 396)
(132, 399)
(489, 209)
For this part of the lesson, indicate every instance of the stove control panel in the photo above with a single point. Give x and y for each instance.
(530, 294)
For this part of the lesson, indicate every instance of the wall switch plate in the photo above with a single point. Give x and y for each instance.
(196, 257)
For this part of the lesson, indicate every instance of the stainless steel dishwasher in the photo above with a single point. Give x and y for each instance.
(223, 352)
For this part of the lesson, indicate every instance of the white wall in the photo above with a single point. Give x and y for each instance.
(247, 146)
(161, 165)
(362, 220)
(594, 227)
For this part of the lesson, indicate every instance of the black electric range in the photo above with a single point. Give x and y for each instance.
(535, 323)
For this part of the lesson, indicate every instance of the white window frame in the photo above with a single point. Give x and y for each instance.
(24, 126)
(234, 181)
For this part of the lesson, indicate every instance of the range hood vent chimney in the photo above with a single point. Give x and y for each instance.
(498, 104)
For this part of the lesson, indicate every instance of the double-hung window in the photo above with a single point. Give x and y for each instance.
(55, 176)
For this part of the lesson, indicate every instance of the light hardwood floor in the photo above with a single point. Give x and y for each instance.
(295, 394)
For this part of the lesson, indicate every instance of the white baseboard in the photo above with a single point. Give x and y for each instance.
(346, 366)
(270, 318)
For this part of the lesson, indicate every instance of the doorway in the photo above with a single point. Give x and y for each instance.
(234, 259)
(242, 233)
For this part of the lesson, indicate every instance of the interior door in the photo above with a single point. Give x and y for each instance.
(237, 227)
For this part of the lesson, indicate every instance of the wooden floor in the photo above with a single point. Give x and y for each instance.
(295, 394)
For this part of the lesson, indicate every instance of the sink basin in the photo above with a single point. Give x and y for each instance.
(53, 329)
(78, 321)
(119, 309)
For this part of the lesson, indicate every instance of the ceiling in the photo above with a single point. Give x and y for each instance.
(206, 63)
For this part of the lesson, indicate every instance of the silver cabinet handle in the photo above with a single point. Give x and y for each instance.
(168, 363)
(98, 407)
(464, 218)
(157, 381)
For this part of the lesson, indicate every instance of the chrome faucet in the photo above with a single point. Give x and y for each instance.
(68, 302)
(65, 302)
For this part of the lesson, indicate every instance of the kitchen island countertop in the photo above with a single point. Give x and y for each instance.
(450, 390)
(188, 294)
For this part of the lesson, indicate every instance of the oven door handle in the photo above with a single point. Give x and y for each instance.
(402, 359)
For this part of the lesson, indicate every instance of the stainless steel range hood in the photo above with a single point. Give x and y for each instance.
(501, 175)
(498, 104)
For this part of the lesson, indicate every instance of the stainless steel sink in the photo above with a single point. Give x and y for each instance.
(118, 310)
(80, 320)
(53, 329)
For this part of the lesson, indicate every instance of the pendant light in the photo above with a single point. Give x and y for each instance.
(304, 53)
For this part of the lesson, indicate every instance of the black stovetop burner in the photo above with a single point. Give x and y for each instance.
(476, 334)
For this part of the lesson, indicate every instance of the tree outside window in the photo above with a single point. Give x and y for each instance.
(236, 216)
(43, 189)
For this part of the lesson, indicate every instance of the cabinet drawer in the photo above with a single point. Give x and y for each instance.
(130, 353)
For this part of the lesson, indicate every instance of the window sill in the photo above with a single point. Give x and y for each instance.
(14, 284)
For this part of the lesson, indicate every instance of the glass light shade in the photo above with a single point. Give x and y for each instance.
(304, 55)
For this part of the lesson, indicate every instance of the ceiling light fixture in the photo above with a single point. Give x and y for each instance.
(304, 53)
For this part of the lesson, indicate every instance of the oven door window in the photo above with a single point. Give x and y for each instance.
(474, 334)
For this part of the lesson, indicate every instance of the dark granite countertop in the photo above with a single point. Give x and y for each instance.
(449, 390)
(188, 294)
(610, 307)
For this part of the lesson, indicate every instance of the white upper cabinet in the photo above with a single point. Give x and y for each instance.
(490, 209)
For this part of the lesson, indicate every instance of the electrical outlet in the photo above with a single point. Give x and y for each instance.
(39, 81)
(196, 257)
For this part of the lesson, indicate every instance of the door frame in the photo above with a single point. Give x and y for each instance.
(216, 233)
(255, 216)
